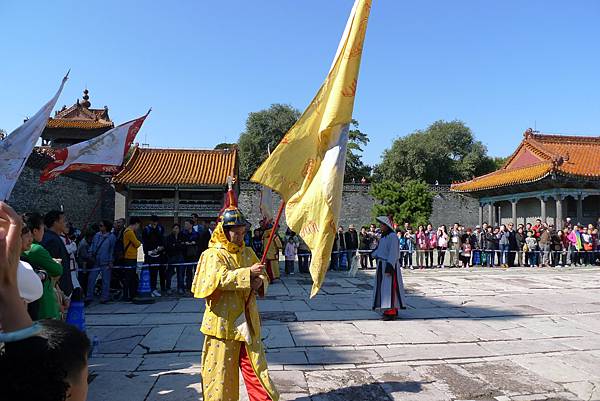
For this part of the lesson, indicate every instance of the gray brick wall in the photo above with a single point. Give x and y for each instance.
(76, 196)
(448, 207)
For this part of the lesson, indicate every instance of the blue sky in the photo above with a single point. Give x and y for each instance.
(500, 66)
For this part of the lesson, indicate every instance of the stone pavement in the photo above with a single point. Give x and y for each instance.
(468, 334)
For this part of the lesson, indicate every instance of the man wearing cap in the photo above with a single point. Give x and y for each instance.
(228, 276)
(388, 293)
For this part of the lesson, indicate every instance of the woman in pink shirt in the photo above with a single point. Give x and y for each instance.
(432, 239)
(422, 247)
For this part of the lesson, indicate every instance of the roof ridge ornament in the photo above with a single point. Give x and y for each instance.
(528, 133)
(86, 99)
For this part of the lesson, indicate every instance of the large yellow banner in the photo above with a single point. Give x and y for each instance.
(307, 167)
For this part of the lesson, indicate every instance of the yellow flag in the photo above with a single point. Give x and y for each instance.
(307, 167)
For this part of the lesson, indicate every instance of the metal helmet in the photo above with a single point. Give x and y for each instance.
(233, 217)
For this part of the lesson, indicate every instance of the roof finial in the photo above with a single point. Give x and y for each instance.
(528, 133)
(86, 99)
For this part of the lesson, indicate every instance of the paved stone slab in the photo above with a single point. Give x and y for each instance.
(104, 364)
(277, 337)
(176, 387)
(336, 315)
(332, 355)
(403, 382)
(432, 352)
(121, 386)
(550, 368)
(586, 390)
(344, 385)
(191, 339)
(170, 362)
(454, 380)
(290, 381)
(162, 338)
(172, 318)
(287, 358)
(511, 378)
(515, 347)
(485, 334)
(192, 305)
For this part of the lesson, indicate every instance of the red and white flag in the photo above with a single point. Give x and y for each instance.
(105, 153)
(16, 148)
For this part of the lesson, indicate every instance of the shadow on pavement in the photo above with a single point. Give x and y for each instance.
(370, 391)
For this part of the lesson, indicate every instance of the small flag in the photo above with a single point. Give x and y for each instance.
(266, 204)
(16, 148)
(307, 167)
(104, 153)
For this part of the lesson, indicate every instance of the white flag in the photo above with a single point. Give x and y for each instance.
(266, 204)
(16, 148)
(104, 153)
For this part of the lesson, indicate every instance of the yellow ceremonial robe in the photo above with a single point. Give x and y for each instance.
(273, 251)
(223, 279)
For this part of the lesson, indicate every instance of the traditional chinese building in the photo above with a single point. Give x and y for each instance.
(85, 197)
(550, 177)
(75, 124)
(174, 183)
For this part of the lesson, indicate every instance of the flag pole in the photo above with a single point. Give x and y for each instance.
(264, 256)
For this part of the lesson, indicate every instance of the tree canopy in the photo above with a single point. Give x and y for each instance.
(355, 168)
(444, 152)
(411, 201)
(266, 128)
(225, 145)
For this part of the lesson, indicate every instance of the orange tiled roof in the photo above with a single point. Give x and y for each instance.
(81, 116)
(178, 167)
(83, 124)
(577, 156)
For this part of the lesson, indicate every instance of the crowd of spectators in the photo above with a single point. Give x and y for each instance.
(535, 244)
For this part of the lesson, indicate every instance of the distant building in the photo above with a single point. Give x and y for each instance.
(85, 197)
(174, 183)
(75, 124)
(550, 177)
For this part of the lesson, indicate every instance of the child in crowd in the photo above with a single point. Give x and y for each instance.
(531, 249)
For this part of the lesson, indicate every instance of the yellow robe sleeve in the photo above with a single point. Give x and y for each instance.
(212, 274)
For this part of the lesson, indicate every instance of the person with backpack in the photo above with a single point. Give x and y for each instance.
(102, 258)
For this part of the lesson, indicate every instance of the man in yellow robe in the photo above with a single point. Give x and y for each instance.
(272, 253)
(228, 276)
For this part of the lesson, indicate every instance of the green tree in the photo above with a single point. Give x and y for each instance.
(411, 201)
(226, 145)
(355, 168)
(264, 129)
(444, 152)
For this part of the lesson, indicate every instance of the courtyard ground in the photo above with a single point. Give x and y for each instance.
(468, 334)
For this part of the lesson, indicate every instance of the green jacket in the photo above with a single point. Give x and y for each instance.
(40, 259)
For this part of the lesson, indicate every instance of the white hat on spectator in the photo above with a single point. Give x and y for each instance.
(385, 220)
(29, 283)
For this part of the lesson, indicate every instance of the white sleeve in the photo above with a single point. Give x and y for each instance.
(29, 283)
